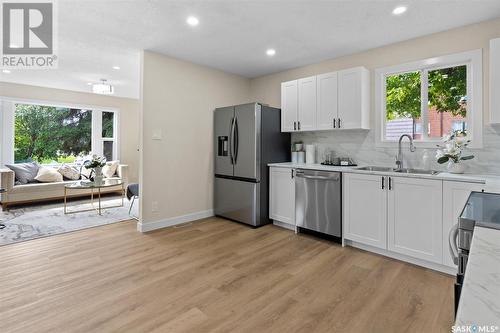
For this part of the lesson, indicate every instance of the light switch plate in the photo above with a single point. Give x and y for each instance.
(157, 134)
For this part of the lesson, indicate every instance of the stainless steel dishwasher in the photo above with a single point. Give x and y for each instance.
(318, 201)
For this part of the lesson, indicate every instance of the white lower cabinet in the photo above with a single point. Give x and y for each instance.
(455, 195)
(405, 216)
(282, 196)
(414, 216)
(365, 209)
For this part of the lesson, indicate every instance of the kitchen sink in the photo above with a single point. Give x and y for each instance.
(418, 171)
(405, 170)
(376, 168)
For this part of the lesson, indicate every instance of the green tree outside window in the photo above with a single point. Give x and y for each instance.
(447, 93)
(46, 133)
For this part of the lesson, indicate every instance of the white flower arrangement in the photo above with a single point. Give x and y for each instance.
(454, 145)
(95, 162)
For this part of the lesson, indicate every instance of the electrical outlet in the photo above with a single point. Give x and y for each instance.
(154, 206)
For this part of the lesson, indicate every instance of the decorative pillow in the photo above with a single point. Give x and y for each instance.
(109, 169)
(48, 175)
(25, 172)
(69, 172)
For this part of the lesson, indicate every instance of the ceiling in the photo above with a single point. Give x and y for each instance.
(233, 35)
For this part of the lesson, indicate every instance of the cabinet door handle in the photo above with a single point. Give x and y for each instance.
(292, 174)
(334, 122)
(298, 126)
(339, 122)
(294, 125)
(383, 182)
(390, 183)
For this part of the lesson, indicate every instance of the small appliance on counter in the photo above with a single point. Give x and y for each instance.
(298, 153)
(482, 210)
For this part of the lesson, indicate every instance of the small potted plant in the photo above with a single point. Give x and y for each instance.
(96, 164)
(452, 150)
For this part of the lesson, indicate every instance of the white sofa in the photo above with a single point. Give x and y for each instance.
(28, 193)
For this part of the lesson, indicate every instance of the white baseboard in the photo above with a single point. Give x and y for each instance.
(402, 257)
(150, 226)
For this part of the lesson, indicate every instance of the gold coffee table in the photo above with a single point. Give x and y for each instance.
(95, 187)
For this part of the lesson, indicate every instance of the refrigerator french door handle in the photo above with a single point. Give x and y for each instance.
(236, 139)
(231, 143)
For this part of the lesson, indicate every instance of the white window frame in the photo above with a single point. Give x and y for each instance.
(472, 59)
(7, 116)
(98, 139)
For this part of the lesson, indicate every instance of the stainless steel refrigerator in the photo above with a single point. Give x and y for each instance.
(247, 138)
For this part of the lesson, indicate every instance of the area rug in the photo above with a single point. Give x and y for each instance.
(29, 222)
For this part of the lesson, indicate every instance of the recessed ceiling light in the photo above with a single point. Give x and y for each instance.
(89, 83)
(192, 21)
(399, 10)
(271, 52)
(116, 67)
(6, 71)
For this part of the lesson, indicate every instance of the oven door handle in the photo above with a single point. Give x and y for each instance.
(452, 240)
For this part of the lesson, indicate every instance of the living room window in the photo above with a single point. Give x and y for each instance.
(54, 134)
(430, 98)
(51, 135)
(108, 137)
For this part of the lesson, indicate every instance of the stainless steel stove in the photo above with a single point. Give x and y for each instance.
(482, 210)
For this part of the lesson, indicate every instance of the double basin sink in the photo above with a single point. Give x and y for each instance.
(404, 170)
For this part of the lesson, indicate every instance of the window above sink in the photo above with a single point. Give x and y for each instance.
(428, 99)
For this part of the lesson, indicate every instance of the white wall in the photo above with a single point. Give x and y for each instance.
(129, 114)
(178, 99)
(361, 144)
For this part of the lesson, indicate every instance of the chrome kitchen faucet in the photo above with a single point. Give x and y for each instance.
(399, 157)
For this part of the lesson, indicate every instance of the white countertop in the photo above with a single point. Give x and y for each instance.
(469, 178)
(480, 299)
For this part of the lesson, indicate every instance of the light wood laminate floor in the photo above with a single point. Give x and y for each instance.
(213, 276)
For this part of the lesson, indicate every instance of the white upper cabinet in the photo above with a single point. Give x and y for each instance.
(414, 215)
(495, 81)
(306, 120)
(365, 209)
(353, 98)
(455, 195)
(289, 105)
(327, 114)
(337, 100)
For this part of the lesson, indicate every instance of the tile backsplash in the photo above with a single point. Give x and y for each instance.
(360, 145)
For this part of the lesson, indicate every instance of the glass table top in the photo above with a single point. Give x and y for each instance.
(91, 184)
